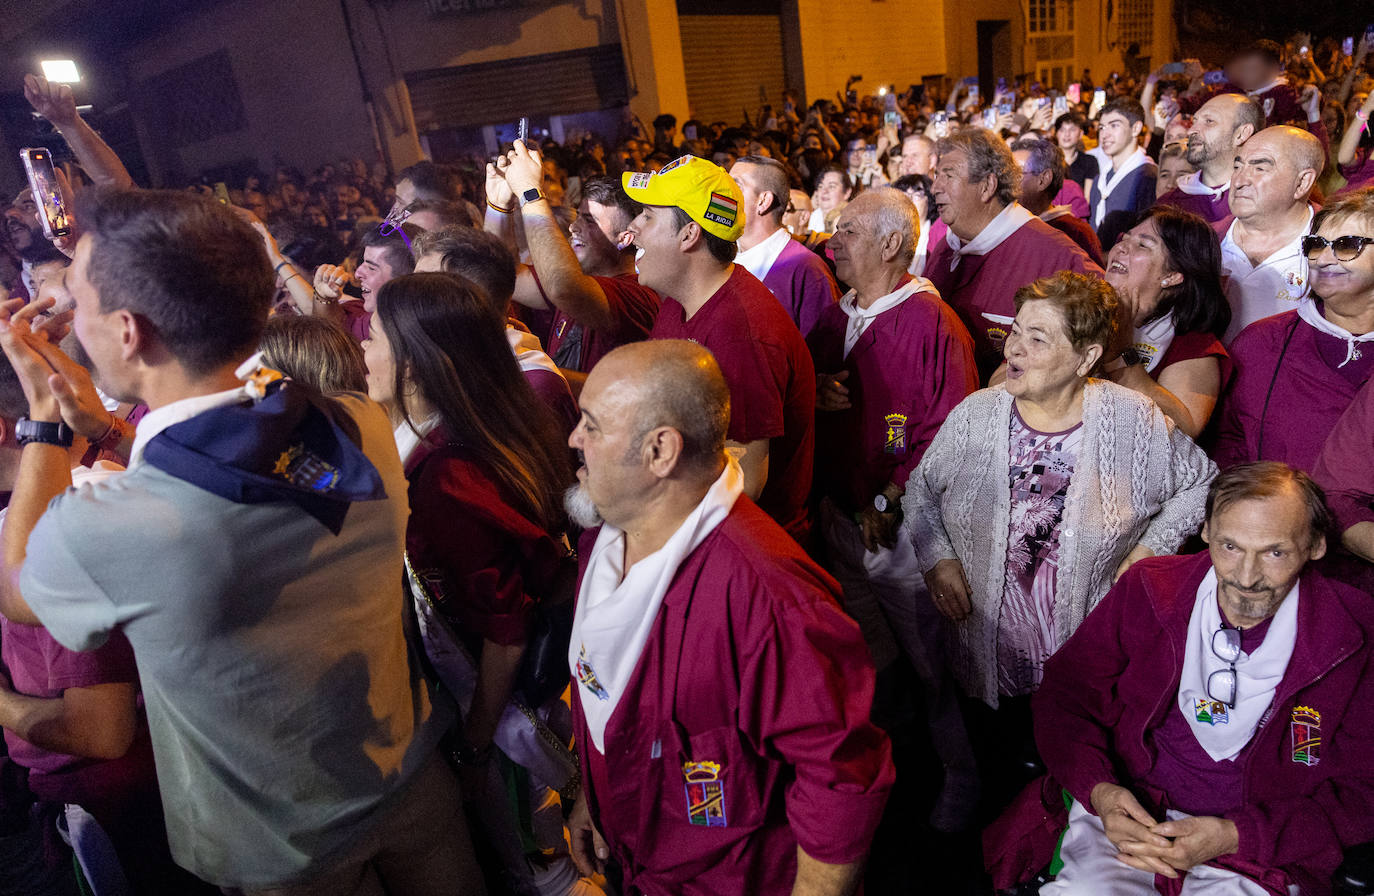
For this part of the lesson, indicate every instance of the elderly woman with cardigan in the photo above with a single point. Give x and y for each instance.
(1037, 493)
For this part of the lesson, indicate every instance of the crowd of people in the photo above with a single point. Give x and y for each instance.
(583, 520)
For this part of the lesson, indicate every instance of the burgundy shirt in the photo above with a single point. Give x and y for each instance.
(750, 664)
(1208, 208)
(483, 560)
(574, 347)
(802, 282)
(1283, 402)
(772, 384)
(986, 284)
(1081, 232)
(908, 370)
(356, 319)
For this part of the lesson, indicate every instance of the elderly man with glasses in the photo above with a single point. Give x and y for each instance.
(1210, 719)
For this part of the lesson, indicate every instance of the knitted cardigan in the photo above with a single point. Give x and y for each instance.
(1138, 480)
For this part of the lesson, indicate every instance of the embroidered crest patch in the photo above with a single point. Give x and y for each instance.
(1210, 712)
(705, 794)
(1305, 727)
(722, 209)
(587, 676)
(894, 440)
(305, 469)
(998, 336)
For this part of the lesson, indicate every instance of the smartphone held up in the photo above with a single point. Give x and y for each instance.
(47, 194)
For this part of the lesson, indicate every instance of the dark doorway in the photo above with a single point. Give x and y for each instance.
(994, 54)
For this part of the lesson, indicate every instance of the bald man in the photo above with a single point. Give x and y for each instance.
(1218, 130)
(720, 695)
(1261, 252)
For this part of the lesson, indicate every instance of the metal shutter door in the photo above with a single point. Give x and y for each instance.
(726, 59)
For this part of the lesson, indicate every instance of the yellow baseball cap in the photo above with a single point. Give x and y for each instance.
(700, 188)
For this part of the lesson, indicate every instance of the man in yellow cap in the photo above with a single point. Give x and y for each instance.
(685, 239)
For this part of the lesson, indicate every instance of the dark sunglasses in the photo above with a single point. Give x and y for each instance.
(1345, 248)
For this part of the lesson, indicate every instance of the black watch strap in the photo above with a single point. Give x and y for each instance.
(530, 195)
(43, 432)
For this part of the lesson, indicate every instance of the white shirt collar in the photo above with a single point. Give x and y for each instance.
(1008, 221)
(861, 318)
(1192, 185)
(1267, 87)
(408, 437)
(154, 422)
(1288, 250)
(758, 259)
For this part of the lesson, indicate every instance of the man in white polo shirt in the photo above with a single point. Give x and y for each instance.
(1261, 255)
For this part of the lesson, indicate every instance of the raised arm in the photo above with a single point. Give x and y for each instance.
(1350, 141)
(566, 287)
(56, 103)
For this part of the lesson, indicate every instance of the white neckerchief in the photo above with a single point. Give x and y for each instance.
(616, 610)
(1008, 221)
(758, 259)
(1307, 310)
(529, 354)
(1192, 185)
(1108, 180)
(154, 422)
(1270, 86)
(1154, 339)
(860, 318)
(1055, 211)
(1257, 674)
(408, 438)
(918, 260)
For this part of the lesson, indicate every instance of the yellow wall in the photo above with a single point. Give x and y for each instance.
(888, 42)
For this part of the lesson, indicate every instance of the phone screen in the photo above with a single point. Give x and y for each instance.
(524, 131)
(941, 125)
(1173, 68)
(1099, 100)
(1061, 105)
(892, 119)
(1348, 47)
(43, 181)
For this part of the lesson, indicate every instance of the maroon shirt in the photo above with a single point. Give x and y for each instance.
(772, 384)
(356, 319)
(574, 347)
(1109, 687)
(908, 370)
(802, 282)
(483, 560)
(1081, 232)
(1345, 471)
(750, 664)
(1209, 208)
(986, 284)
(1284, 402)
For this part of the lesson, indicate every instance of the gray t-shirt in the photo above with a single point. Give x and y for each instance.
(283, 706)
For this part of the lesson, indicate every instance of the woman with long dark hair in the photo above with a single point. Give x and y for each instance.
(1167, 274)
(487, 466)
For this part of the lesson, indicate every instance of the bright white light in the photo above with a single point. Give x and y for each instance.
(60, 71)
(882, 91)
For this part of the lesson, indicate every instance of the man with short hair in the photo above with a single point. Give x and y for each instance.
(588, 277)
(686, 236)
(1042, 178)
(1257, 71)
(994, 246)
(441, 214)
(1082, 167)
(1218, 130)
(427, 180)
(296, 748)
(893, 361)
(798, 277)
(1211, 717)
(1261, 251)
(387, 254)
(720, 696)
(483, 259)
(918, 155)
(1126, 183)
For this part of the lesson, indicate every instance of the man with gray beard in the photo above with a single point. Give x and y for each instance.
(1218, 130)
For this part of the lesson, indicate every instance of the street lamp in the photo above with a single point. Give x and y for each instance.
(60, 71)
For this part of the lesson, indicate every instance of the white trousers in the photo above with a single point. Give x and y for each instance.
(1091, 868)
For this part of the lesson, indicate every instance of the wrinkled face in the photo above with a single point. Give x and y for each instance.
(595, 234)
(613, 476)
(1259, 548)
(1347, 287)
(1170, 170)
(798, 212)
(1029, 189)
(917, 157)
(1265, 179)
(957, 200)
(373, 273)
(1116, 134)
(658, 239)
(1210, 136)
(1041, 362)
(381, 368)
(854, 245)
(1138, 268)
(830, 191)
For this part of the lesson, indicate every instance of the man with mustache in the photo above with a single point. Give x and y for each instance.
(1211, 716)
(1218, 130)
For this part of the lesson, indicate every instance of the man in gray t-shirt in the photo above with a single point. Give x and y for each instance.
(251, 554)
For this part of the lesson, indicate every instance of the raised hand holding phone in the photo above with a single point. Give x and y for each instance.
(47, 192)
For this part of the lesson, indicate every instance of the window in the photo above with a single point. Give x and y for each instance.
(1050, 16)
(1136, 22)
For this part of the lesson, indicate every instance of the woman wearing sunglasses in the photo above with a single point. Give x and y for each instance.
(1297, 372)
